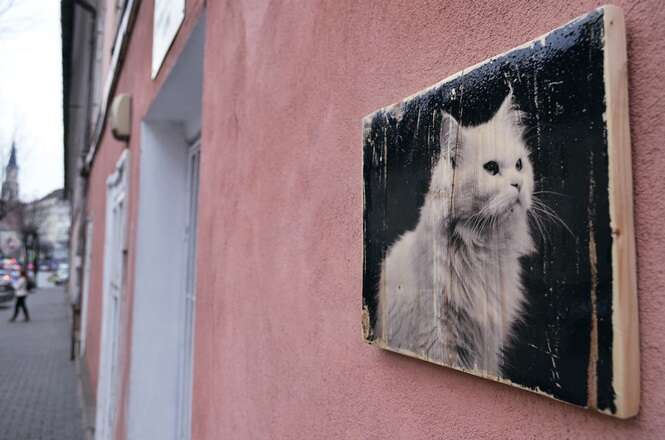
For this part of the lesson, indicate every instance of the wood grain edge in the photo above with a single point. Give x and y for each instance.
(625, 346)
(365, 125)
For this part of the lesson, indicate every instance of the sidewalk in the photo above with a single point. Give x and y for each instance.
(38, 385)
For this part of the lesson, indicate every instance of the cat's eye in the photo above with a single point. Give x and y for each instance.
(518, 165)
(492, 167)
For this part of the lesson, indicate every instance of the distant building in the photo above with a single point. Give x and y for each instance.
(50, 215)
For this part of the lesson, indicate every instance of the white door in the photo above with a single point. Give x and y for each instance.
(185, 377)
(114, 270)
(163, 295)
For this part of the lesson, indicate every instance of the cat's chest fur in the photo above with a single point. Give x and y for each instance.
(451, 296)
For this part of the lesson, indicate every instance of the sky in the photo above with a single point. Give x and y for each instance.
(31, 94)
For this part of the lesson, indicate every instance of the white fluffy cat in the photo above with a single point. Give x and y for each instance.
(450, 289)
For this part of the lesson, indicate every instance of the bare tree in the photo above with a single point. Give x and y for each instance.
(32, 221)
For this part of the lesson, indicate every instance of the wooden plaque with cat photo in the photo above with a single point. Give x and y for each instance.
(498, 220)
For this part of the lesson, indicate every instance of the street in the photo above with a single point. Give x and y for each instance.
(39, 397)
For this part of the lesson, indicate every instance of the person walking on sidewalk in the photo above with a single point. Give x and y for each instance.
(21, 293)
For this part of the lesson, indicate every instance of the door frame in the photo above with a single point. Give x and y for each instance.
(115, 248)
(186, 367)
(85, 286)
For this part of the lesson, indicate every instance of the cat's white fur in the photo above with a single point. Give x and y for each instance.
(450, 289)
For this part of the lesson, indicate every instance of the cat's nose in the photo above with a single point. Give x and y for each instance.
(516, 185)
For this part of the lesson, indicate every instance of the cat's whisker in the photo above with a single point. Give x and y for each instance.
(479, 220)
(554, 193)
(539, 226)
(544, 232)
(540, 207)
(539, 203)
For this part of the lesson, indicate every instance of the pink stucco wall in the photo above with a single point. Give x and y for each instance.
(278, 345)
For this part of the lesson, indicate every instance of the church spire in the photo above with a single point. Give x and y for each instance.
(12, 157)
(9, 192)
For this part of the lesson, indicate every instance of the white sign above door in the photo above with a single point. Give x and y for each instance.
(169, 15)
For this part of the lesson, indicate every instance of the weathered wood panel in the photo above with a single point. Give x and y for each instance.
(498, 230)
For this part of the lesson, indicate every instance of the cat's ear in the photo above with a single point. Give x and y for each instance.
(507, 104)
(508, 111)
(449, 137)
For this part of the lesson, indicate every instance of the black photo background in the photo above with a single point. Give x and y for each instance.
(558, 84)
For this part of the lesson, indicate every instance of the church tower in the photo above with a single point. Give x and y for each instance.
(10, 185)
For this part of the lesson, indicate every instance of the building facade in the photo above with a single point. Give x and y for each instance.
(218, 235)
(51, 216)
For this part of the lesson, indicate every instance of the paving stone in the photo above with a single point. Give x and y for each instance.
(38, 384)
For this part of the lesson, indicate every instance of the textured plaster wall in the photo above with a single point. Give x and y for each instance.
(278, 351)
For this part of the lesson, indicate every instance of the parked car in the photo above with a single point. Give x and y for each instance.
(6, 294)
(62, 274)
(9, 273)
(5, 278)
(48, 266)
(6, 290)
